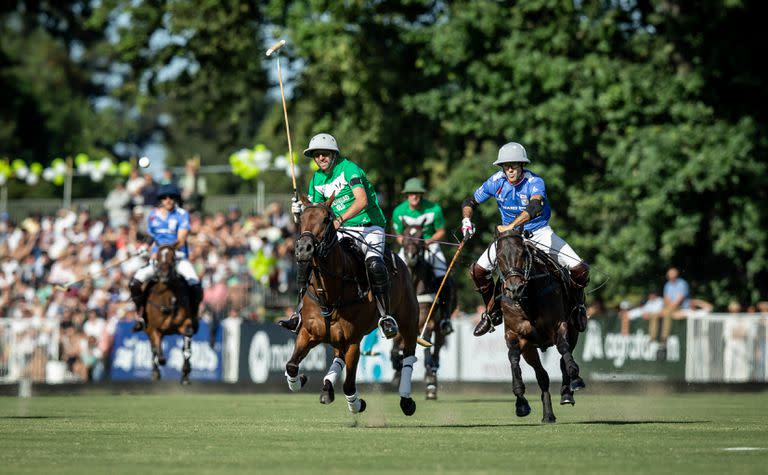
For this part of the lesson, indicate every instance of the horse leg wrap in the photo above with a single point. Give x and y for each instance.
(187, 351)
(405, 376)
(353, 403)
(294, 382)
(334, 371)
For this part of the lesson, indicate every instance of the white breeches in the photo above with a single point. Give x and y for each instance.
(369, 239)
(546, 240)
(183, 267)
(434, 256)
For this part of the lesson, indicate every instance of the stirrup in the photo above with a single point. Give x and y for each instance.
(488, 323)
(445, 327)
(388, 326)
(292, 324)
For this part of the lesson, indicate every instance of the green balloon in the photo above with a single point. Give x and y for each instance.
(81, 158)
(58, 180)
(124, 168)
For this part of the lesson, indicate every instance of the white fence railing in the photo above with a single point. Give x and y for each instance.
(730, 348)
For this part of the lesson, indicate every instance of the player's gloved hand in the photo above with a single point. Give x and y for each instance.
(296, 208)
(467, 228)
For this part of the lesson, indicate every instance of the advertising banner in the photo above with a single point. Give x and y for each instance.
(132, 355)
(604, 354)
(265, 348)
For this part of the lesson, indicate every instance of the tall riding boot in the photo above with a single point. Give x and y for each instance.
(484, 284)
(139, 301)
(378, 276)
(579, 280)
(195, 299)
(446, 297)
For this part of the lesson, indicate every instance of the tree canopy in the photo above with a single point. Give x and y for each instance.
(643, 117)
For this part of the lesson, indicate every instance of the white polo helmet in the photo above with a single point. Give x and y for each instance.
(512, 152)
(321, 142)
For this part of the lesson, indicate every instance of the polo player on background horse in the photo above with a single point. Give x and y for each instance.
(168, 224)
(420, 225)
(339, 306)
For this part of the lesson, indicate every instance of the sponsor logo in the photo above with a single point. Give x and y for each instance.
(619, 348)
(265, 357)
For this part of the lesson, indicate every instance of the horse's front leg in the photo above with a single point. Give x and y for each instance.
(407, 404)
(564, 347)
(156, 342)
(187, 352)
(304, 343)
(327, 395)
(396, 358)
(355, 403)
(522, 408)
(531, 355)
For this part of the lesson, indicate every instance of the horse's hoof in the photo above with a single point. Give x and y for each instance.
(326, 395)
(567, 399)
(522, 408)
(408, 405)
(303, 379)
(363, 405)
(431, 392)
(577, 384)
(161, 361)
(551, 419)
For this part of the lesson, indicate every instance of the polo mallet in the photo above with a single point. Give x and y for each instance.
(66, 287)
(275, 48)
(420, 339)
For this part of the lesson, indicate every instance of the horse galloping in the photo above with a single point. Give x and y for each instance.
(414, 252)
(534, 300)
(168, 313)
(338, 307)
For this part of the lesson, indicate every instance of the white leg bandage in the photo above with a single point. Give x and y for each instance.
(353, 403)
(405, 376)
(294, 384)
(334, 371)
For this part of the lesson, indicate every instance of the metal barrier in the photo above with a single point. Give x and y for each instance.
(26, 347)
(729, 348)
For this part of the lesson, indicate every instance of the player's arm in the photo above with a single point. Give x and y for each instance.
(533, 210)
(358, 205)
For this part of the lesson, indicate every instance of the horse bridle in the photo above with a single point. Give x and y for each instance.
(523, 272)
(329, 238)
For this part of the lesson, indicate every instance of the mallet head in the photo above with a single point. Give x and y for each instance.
(275, 47)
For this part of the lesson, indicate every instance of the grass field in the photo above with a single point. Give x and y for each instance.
(194, 433)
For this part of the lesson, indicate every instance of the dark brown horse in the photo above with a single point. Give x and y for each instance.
(534, 298)
(425, 284)
(167, 312)
(338, 307)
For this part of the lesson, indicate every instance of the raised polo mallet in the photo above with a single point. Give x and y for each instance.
(275, 48)
(66, 287)
(420, 339)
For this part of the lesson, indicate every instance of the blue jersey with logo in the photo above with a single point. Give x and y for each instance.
(512, 199)
(166, 230)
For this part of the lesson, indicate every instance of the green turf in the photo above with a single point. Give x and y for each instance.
(194, 433)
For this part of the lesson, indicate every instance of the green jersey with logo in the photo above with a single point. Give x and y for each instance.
(428, 214)
(343, 177)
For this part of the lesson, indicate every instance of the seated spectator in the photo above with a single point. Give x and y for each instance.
(650, 309)
(675, 298)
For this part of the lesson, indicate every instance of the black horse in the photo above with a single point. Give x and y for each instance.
(415, 254)
(535, 302)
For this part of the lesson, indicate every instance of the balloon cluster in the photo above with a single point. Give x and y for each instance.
(56, 172)
(248, 163)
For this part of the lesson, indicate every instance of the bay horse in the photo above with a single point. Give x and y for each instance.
(338, 308)
(167, 312)
(534, 300)
(425, 284)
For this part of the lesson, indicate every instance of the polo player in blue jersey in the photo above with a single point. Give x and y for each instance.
(168, 224)
(522, 200)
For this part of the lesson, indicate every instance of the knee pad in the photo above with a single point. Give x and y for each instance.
(377, 273)
(481, 277)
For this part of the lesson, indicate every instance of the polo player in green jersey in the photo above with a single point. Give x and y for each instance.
(357, 217)
(416, 210)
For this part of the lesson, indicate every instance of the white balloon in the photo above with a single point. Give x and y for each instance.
(32, 179)
(105, 164)
(84, 168)
(60, 168)
(48, 174)
(22, 173)
(144, 162)
(2, 179)
(97, 175)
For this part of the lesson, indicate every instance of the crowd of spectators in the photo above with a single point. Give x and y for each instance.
(93, 251)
